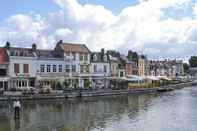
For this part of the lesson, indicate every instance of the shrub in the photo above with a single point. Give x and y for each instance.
(87, 83)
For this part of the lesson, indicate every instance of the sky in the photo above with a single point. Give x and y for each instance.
(158, 28)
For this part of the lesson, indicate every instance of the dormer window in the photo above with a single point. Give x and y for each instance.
(95, 57)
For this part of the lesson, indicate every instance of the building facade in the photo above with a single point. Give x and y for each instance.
(4, 69)
(169, 68)
(100, 69)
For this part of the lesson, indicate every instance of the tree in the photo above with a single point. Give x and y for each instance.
(193, 61)
(113, 53)
(185, 67)
(133, 56)
(87, 83)
(58, 86)
(67, 83)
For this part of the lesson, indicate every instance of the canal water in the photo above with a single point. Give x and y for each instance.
(170, 111)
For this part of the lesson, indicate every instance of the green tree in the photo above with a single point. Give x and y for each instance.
(113, 53)
(185, 67)
(58, 86)
(193, 61)
(53, 85)
(67, 83)
(133, 56)
(87, 83)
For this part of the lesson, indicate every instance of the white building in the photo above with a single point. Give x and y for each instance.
(100, 69)
(22, 67)
(77, 63)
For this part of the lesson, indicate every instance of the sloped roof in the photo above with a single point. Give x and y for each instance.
(125, 59)
(3, 56)
(46, 54)
(23, 52)
(71, 47)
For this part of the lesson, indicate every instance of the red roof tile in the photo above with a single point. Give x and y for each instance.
(70, 47)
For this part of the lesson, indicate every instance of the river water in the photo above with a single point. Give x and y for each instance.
(170, 111)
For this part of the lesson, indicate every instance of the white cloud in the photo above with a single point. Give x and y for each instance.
(195, 10)
(145, 27)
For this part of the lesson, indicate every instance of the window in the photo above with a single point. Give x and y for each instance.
(12, 53)
(73, 68)
(48, 68)
(121, 74)
(85, 57)
(95, 57)
(60, 68)
(81, 57)
(16, 68)
(105, 68)
(95, 68)
(16, 53)
(84, 69)
(67, 68)
(25, 68)
(54, 68)
(42, 68)
(21, 53)
(24, 83)
(74, 56)
(81, 68)
(19, 83)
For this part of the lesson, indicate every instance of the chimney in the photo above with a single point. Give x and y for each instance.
(60, 42)
(34, 47)
(7, 46)
(103, 51)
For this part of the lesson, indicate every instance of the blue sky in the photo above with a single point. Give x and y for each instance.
(158, 28)
(43, 7)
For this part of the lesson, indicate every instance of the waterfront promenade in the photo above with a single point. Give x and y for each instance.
(93, 93)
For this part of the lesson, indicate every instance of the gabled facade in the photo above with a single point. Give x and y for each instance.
(143, 66)
(100, 69)
(22, 67)
(77, 61)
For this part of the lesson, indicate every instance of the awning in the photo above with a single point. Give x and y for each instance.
(135, 78)
(154, 78)
(164, 78)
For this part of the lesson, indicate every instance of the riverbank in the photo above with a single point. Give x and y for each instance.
(93, 93)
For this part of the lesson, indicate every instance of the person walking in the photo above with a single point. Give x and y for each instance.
(17, 107)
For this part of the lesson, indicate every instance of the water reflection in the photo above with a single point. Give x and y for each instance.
(99, 113)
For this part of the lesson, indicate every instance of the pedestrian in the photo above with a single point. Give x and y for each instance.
(17, 107)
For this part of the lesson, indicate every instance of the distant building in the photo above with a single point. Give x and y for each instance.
(143, 65)
(169, 68)
(128, 65)
(100, 69)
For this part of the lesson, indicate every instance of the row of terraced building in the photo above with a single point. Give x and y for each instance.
(32, 67)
